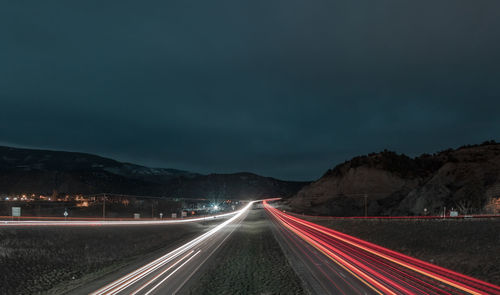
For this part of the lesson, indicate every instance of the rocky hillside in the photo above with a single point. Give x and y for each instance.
(467, 178)
(41, 171)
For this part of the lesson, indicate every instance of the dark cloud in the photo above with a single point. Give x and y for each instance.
(282, 88)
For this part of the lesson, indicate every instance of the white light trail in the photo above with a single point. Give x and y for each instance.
(111, 222)
(162, 281)
(163, 272)
(133, 277)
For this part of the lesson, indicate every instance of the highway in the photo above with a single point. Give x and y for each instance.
(336, 263)
(169, 273)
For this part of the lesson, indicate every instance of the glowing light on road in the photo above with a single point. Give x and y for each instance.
(108, 222)
(135, 276)
(383, 270)
(397, 217)
(171, 274)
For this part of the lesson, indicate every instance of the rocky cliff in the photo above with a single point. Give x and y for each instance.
(467, 178)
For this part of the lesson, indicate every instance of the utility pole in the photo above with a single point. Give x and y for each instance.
(366, 205)
(103, 206)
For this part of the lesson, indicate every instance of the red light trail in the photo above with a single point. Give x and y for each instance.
(399, 217)
(383, 270)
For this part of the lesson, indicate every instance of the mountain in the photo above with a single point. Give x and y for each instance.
(467, 178)
(42, 171)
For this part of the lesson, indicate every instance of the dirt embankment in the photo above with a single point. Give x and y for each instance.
(466, 179)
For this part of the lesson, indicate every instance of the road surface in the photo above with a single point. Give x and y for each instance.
(320, 274)
(339, 263)
(167, 274)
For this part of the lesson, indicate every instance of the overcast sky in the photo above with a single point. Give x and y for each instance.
(281, 88)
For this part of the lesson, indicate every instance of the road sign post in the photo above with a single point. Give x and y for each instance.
(16, 212)
(103, 207)
(366, 205)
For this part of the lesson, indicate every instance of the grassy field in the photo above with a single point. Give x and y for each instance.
(249, 262)
(471, 247)
(52, 259)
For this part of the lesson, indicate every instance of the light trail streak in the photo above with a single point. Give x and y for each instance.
(130, 279)
(383, 270)
(109, 222)
(162, 273)
(477, 216)
(171, 274)
(353, 289)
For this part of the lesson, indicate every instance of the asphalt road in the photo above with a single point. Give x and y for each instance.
(169, 273)
(336, 263)
(320, 274)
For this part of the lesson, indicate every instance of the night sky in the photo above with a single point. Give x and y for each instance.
(280, 88)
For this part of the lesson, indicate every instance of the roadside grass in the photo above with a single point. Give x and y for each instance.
(471, 247)
(48, 260)
(249, 262)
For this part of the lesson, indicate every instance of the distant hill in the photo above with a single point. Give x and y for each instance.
(467, 178)
(42, 171)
